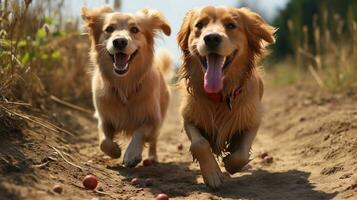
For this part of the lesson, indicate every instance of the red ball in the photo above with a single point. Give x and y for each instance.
(162, 196)
(90, 182)
(135, 181)
(149, 182)
(147, 162)
(58, 189)
(263, 154)
(268, 159)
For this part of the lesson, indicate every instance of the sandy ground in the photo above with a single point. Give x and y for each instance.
(311, 137)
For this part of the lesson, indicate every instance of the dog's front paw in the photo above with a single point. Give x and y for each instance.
(110, 148)
(132, 158)
(211, 173)
(213, 178)
(235, 162)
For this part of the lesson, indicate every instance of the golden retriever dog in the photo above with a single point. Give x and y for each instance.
(221, 105)
(129, 91)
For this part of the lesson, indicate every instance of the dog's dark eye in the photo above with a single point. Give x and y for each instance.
(134, 30)
(199, 25)
(230, 26)
(109, 29)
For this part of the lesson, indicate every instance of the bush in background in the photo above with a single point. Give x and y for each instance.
(321, 38)
(41, 55)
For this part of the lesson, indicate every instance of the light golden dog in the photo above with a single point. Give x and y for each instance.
(129, 91)
(221, 107)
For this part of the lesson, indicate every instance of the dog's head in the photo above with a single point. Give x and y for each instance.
(123, 40)
(223, 39)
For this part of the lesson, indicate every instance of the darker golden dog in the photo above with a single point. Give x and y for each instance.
(222, 105)
(129, 91)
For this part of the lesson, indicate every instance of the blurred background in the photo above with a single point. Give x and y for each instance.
(43, 49)
(174, 11)
(48, 136)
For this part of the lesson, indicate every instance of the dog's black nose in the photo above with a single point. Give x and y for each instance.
(212, 40)
(120, 43)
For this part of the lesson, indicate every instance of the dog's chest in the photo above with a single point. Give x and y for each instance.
(218, 119)
(128, 115)
(219, 125)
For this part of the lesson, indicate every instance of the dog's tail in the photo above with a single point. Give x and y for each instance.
(163, 60)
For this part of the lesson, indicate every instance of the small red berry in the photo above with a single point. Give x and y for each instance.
(263, 154)
(135, 181)
(149, 182)
(162, 196)
(268, 159)
(58, 189)
(90, 182)
(180, 147)
(147, 162)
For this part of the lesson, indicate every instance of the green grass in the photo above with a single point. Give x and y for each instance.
(285, 74)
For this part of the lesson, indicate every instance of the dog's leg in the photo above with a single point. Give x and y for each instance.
(132, 154)
(152, 145)
(201, 150)
(240, 154)
(152, 150)
(107, 145)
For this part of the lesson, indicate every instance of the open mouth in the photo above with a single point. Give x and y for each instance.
(121, 62)
(214, 65)
(226, 60)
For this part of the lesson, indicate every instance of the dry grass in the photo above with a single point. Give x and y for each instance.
(41, 55)
(330, 58)
(285, 73)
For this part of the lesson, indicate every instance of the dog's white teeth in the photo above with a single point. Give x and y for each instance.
(224, 61)
(124, 68)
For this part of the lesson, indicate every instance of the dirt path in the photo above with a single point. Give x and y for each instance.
(312, 139)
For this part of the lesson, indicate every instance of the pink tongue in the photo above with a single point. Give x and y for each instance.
(120, 60)
(213, 82)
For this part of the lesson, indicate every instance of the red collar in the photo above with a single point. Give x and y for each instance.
(215, 97)
(219, 98)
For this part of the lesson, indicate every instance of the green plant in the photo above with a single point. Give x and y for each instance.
(41, 55)
(322, 42)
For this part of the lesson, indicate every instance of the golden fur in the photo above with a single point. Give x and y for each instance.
(136, 103)
(208, 122)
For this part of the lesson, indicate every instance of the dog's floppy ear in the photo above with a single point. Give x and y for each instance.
(184, 32)
(92, 16)
(93, 19)
(155, 21)
(260, 34)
